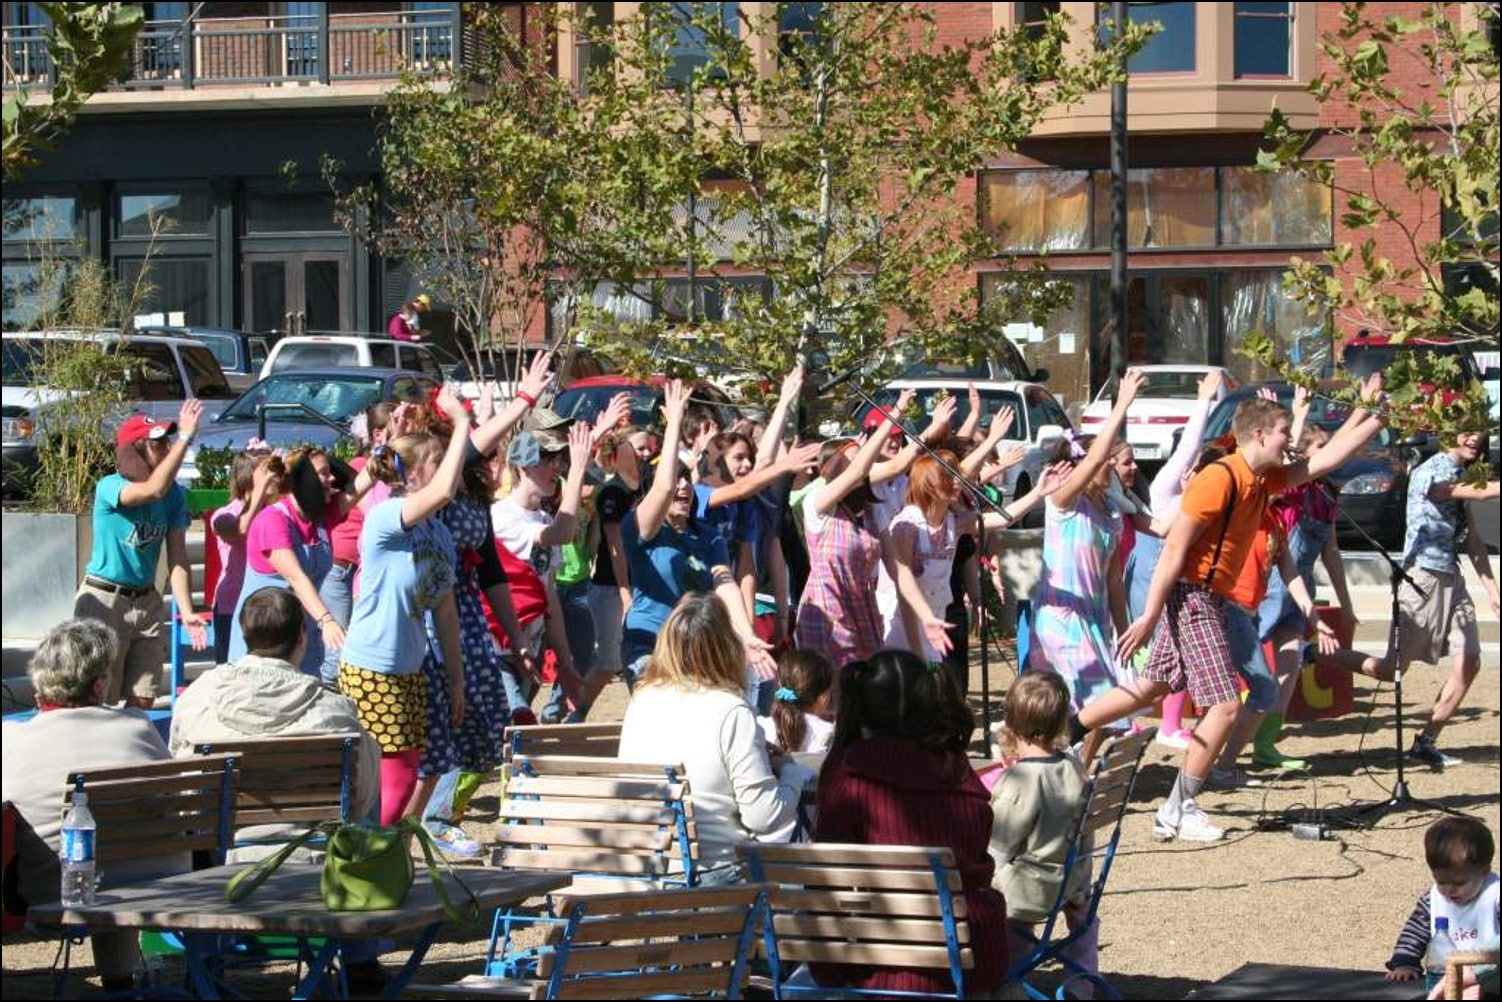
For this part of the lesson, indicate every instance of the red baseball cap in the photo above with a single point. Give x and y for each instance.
(140, 427)
(874, 420)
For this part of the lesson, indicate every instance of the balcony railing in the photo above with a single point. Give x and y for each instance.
(263, 51)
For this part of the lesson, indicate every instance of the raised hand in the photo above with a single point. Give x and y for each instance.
(1210, 383)
(674, 401)
(1053, 477)
(1371, 389)
(485, 406)
(537, 377)
(1302, 398)
(1131, 384)
(1010, 457)
(581, 444)
(801, 456)
(452, 407)
(612, 415)
(792, 383)
(943, 415)
(904, 401)
(188, 416)
(1002, 422)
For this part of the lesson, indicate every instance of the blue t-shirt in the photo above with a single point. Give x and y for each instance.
(664, 569)
(128, 541)
(736, 523)
(403, 575)
(1433, 526)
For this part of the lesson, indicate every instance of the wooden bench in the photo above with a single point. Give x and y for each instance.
(590, 740)
(645, 944)
(291, 779)
(891, 906)
(617, 826)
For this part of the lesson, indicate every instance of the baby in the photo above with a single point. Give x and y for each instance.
(1463, 902)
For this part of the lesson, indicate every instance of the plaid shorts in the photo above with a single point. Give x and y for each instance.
(1190, 649)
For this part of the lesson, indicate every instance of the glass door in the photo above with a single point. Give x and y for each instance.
(298, 292)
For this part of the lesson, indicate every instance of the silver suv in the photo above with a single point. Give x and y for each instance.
(171, 370)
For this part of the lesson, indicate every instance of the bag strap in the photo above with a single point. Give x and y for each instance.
(435, 862)
(1225, 524)
(242, 884)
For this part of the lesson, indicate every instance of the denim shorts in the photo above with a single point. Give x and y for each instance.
(1251, 661)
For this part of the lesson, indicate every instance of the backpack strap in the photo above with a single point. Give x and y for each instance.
(1225, 524)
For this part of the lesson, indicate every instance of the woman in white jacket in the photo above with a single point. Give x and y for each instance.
(690, 707)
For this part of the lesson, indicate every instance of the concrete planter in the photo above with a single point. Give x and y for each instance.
(42, 563)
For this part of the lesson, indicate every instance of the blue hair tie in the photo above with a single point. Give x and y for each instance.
(785, 695)
(401, 467)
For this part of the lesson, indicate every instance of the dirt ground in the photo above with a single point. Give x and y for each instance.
(1175, 916)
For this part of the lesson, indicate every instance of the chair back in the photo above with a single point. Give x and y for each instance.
(159, 808)
(624, 823)
(286, 780)
(1108, 791)
(891, 906)
(579, 740)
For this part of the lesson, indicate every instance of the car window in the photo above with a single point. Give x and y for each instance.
(205, 375)
(19, 356)
(258, 352)
(1043, 409)
(409, 390)
(152, 374)
(421, 360)
(383, 356)
(336, 399)
(315, 355)
(226, 350)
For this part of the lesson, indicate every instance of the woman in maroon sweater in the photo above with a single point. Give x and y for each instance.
(897, 774)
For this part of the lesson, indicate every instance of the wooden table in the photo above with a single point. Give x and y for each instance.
(193, 906)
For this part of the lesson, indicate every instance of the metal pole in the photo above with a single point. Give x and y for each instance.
(693, 213)
(1119, 203)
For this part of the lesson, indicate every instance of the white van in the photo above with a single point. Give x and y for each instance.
(362, 351)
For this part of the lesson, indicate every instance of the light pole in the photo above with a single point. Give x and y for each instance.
(1119, 201)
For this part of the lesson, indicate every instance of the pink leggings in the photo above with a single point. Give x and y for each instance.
(1173, 712)
(398, 780)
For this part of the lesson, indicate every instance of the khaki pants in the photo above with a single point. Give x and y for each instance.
(136, 622)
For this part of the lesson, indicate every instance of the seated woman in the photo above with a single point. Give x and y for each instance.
(690, 707)
(70, 671)
(897, 774)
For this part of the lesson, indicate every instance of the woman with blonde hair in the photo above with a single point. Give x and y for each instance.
(690, 707)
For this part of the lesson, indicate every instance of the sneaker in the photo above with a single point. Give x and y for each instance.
(1191, 825)
(1174, 739)
(1232, 778)
(1424, 750)
(453, 841)
(1271, 758)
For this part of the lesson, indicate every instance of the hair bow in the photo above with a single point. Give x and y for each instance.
(786, 695)
(1076, 450)
(253, 444)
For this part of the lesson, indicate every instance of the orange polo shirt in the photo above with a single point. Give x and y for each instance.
(1205, 502)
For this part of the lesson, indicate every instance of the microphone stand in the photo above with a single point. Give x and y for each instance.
(1401, 797)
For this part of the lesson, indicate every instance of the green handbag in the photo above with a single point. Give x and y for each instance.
(366, 868)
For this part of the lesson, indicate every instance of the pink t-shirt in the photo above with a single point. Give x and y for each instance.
(231, 560)
(272, 529)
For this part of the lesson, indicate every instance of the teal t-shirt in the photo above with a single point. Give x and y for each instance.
(128, 541)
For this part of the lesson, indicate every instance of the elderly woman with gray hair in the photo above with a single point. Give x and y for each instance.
(72, 729)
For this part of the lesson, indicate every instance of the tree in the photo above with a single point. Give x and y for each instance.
(1421, 129)
(90, 46)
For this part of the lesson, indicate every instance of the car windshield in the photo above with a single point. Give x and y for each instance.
(316, 354)
(585, 403)
(928, 398)
(1361, 360)
(1325, 413)
(337, 399)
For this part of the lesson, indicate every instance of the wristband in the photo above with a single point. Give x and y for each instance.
(527, 398)
(325, 618)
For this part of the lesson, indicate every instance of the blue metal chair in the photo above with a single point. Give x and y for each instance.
(178, 642)
(865, 905)
(1107, 792)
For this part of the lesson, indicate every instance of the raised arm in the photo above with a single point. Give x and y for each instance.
(1357, 430)
(1168, 485)
(1001, 423)
(771, 438)
(799, 457)
(566, 523)
(831, 494)
(156, 486)
(531, 386)
(938, 425)
(653, 507)
(439, 491)
(1100, 449)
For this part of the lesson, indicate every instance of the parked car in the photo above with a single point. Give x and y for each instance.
(1373, 484)
(1039, 422)
(239, 354)
(1163, 406)
(323, 351)
(170, 370)
(585, 398)
(304, 406)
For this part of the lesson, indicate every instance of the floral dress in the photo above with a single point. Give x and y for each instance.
(474, 746)
(1071, 627)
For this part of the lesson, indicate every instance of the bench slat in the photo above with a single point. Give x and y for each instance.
(630, 788)
(882, 954)
(856, 879)
(841, 927)
(587, 957)
(658, 983)
(849, 902)
(587, 862)
(649, 839)
(603, 812)
(845, 854)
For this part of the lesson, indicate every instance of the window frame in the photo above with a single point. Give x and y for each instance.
(1239, 17)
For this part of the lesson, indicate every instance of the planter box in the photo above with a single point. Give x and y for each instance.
(43, 560)
(202, 500)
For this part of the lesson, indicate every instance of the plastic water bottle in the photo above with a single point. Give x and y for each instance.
(77, 853)
(1440, 948)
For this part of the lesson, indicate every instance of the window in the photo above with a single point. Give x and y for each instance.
(1059, 343)
(1030, 17)
(799, 28)
(32, 293)
(163, 213)
(419, 360)
(383, 356)
(171, 285)
(591, 52)
(1254, 301)
(1273, 209)
(689, 50)
(41, 218)
(1171, 50)
(153, 373)
(1043, 409)
(1039, 210)
(206, 375)
(1166, 207)
(277, 210)
(1263, 38)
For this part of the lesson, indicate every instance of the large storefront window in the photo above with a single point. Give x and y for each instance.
(1049, 209)
(1061, 343)
(1038, 210)
(163, 213)
(690, 47)
(1255, 302)
(173, 287)
(41, 219)
(277, 210)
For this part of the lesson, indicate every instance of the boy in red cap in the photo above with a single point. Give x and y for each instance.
(135, 509)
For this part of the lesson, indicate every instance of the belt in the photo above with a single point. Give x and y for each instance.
(345, 564)
(116, 589)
